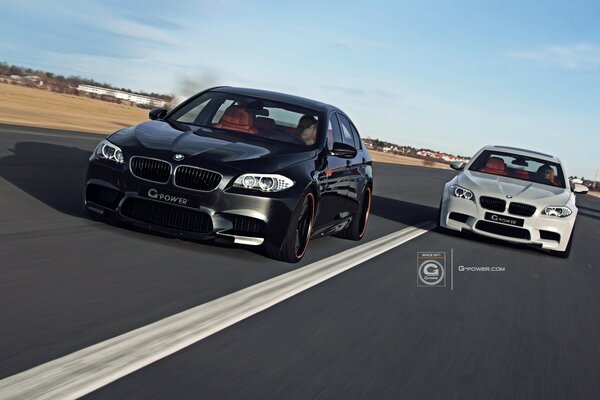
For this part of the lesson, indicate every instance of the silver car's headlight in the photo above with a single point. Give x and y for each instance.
(461, 192)
(264, 182)
(108, 151)
(557, 211)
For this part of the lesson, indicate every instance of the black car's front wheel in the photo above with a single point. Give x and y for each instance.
(358, 226)
(296, 240)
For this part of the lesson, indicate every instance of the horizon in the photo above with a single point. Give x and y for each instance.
(428, 75)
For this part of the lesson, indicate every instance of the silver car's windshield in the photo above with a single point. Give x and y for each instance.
(519, 167)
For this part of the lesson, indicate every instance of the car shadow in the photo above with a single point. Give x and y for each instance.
(412, 214)
(404, 212)
(53, 174)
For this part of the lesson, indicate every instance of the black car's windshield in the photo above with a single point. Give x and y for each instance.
(519, 167)
(253, 116)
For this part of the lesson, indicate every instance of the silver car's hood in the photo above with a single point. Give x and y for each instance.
(483, 184)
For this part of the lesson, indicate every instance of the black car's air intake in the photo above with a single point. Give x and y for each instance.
(150, 169)
(103, 196)
(246, 226)
(196, 178)
(166, 215)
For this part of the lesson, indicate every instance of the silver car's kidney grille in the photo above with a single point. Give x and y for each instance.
(196, 178)
(524, 210)
(492, 203)
(150, 169)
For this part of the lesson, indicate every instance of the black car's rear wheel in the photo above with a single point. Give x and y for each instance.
(357, 228)
(298, 233)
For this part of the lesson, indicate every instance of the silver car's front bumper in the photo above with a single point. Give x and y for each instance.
(547, 232)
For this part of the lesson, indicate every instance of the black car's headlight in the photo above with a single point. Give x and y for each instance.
(264, 182)
(557, 211)
(108, 151)
(461, 192)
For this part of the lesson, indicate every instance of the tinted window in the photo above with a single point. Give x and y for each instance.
(333, 132)
(346, 130)
(356, 136)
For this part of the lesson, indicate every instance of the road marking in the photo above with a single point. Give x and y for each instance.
(86, 370)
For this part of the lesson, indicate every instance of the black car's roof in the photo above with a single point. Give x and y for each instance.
(275, 96)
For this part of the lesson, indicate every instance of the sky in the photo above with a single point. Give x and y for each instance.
(449, 76)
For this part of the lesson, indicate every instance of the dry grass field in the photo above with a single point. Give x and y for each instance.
(33, 107)
(394, 159)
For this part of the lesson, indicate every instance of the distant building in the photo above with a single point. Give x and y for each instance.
(119, 94)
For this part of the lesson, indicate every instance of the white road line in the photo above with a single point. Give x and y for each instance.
(86, 370)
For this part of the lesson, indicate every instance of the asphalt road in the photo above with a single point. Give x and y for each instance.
(68, 282)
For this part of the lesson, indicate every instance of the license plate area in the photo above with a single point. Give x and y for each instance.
(168, 196)
(503, 219)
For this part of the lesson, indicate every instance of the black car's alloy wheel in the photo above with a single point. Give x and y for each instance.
(298, 235)
(357, 228)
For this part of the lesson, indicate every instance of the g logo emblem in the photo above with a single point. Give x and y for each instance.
(431, 272)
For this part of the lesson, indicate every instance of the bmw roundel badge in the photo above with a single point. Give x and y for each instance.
(178, 157)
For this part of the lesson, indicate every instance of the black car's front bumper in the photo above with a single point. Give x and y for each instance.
(226, 213)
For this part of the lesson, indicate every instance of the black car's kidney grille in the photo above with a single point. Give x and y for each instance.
(166, 215)
(196, 178)
(247, 226)
(492, 203)
(503, 230)
(524, 210)
(150, 169)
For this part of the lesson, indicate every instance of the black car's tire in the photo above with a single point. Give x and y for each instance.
(297, 237)
(357, 228)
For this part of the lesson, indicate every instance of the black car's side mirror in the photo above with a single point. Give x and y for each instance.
(457, 165)
(157, 113)
(343, 150)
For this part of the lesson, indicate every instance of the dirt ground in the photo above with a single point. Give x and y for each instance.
(34, 107)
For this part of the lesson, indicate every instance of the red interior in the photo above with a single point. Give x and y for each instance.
(264, 124)
(237, 119)
(495, 165)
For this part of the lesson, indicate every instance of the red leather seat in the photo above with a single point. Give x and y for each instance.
(237, 119)
(494, 165)
(264, 124)
(520, 174)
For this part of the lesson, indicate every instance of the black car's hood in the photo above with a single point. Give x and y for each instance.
(209, 146)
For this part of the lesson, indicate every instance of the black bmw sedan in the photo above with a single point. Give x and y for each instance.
(245, 166)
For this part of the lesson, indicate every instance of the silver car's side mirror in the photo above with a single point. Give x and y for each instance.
(579, 188)
(457, 165)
